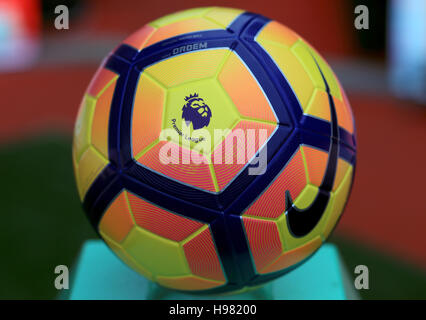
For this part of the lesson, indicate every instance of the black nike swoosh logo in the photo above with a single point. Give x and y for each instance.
(302, 221)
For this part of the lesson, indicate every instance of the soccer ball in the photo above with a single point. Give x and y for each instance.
(214, 150)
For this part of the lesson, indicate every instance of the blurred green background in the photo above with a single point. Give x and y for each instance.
(37, 237)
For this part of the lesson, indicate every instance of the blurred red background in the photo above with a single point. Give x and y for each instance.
(386, 209)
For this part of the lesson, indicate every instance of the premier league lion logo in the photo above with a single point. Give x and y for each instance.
(196, 111)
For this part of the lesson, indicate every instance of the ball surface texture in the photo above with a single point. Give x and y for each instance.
(214, 150)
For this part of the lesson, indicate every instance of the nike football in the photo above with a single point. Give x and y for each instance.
(214, 150)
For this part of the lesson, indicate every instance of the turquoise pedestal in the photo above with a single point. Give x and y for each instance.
(99, 275)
